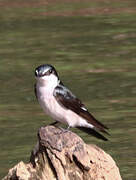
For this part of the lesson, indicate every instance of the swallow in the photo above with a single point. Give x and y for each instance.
(62, 105)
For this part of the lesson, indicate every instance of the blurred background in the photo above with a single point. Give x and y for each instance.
(92, 44)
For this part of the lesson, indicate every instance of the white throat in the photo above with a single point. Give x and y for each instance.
(49, 82)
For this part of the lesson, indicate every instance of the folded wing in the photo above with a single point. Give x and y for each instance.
(65, 97)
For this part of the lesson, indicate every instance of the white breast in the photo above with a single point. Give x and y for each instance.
(50, 105)
(52, 108)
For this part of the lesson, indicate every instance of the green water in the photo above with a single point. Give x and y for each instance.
(95, 56)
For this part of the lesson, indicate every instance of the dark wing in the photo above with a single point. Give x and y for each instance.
(35, 91)
(65, 97)
(93, 132)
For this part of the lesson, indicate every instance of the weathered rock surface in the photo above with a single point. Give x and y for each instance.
(61, 155)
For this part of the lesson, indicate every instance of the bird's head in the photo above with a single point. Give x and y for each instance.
(47, 75)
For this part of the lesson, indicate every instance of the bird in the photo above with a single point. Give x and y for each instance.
(58, 102)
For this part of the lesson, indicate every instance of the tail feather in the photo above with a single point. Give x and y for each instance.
(103, 131)
(93, 133)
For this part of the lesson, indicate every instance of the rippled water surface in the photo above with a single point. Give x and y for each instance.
(93, 47)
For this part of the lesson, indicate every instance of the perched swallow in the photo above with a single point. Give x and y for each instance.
(62, 105)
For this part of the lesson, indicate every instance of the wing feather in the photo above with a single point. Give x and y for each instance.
(65, 97)
(35, 91)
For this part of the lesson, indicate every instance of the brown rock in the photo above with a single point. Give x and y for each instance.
(62, 155)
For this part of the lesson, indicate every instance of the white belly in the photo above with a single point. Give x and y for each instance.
(50, 105)
(52, 108)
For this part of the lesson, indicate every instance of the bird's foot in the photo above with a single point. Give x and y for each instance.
(64, 130)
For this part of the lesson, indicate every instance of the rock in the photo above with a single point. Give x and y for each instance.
(63, 155)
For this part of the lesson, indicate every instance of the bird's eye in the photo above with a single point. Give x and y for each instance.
(36, 73)
(50, 71)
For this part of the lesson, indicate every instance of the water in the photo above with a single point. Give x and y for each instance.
(96, 58)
